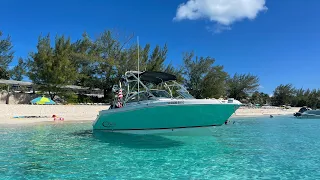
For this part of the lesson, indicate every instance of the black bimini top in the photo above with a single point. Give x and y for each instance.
(155, 77)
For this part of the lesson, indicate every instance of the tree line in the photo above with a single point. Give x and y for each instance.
(100, 62)
(287, 94)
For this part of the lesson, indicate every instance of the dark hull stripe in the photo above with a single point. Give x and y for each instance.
(157, 128)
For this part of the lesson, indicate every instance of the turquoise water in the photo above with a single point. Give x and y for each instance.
(251, 148)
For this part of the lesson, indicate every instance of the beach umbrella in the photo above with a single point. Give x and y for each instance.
(42, 100)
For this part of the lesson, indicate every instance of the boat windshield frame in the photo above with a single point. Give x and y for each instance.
(130, 81)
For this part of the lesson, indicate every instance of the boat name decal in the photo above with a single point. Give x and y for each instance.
(108, 124)
(176, 102)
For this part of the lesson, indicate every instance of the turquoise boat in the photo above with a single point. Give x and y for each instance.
(161, 105)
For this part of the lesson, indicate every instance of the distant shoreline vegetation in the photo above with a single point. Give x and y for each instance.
(100, 63)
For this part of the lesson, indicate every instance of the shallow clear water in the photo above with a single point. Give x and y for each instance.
(252, 148)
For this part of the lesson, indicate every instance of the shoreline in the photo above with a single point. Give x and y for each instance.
(88, 113)
(256, 112)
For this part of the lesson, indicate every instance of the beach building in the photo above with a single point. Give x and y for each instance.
(22, 92)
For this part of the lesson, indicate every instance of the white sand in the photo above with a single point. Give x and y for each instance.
(262, 112)
(68, 112)
(89, 113)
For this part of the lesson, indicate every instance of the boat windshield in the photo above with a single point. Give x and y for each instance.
(160, 93)
(185, 95)
(142, 97)
(150, 87)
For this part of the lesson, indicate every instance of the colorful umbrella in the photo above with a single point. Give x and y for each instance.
(42, 100)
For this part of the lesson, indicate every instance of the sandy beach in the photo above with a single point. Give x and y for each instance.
(89, 113)
(265, 111)
(68, 112)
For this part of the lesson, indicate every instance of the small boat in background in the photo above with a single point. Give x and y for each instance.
(306, 112)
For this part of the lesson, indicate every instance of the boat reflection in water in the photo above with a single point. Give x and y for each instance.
(135, 141)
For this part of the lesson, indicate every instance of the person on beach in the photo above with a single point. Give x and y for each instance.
(55, 118)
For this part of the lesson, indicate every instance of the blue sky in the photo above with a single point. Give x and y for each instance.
(277, 40)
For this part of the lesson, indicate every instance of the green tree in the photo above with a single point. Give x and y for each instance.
(128, 60)
(203, 80)
(6, 56)
(283, 94)
(287, 94)
(265, 98)
(157, 58)
(148, 62)
(260, 98)
(300, 97)
(102, 62)
(107, 50)
(214, 83)
(19, 70)
(313, 99)
(83, 57)
(144, 57)
(256, 98)
(52, 67)
(241, 85)
(178, 72)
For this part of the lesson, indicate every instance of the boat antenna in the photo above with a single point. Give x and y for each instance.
(138, 68)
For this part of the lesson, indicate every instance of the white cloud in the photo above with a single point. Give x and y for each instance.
(222, 12)
(261, 87)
